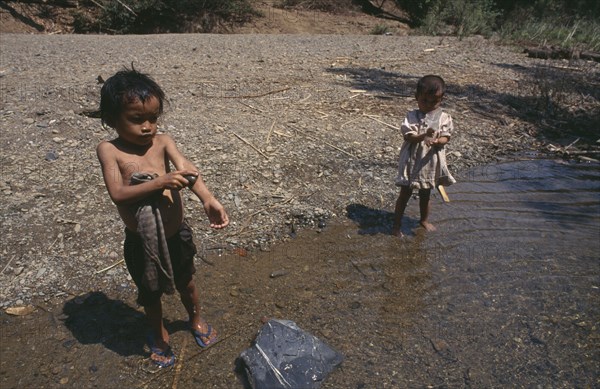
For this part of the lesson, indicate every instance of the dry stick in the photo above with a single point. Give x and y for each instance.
(179, 365)
(572, 143)
(349, 121)
(251, 145)
(249, 106)
(127, 7)
(384, 123)
(330, 145)
(282, 134)
(5, 267)
(271, 131)
(98, 4)
(110, 267)
(254, 96)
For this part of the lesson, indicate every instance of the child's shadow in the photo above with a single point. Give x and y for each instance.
(94, 318)
(373, 221)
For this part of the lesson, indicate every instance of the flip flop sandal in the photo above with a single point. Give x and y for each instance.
(199, 335)
(168, 353)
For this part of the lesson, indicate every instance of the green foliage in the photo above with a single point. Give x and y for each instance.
(564, 23)
(380, 29)
(581, 34)
(464, 17)
(151, 16)
(417, 10)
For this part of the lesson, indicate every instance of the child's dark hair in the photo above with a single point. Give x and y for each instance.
(431, 84)
(125, 87)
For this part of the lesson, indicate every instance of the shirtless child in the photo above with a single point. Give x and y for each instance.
(139, 180)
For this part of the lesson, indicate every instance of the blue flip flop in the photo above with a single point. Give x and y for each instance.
(168, 353)
(199, 335)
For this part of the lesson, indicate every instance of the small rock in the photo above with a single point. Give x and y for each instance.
(278, 273)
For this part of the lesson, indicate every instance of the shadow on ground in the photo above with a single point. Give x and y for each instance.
(371, 221)
(95, 318)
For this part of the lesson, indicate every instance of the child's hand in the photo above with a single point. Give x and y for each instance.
(217, 216)
(429, 141)
(176, 180)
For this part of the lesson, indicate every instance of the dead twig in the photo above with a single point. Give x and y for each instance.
(324, 142)
(98, 4)
(179, 365)
(249, 106)
(251, 145)
(571, 144)
(127, 7)
(382, 122)
(258, 95)
(9, 261)
(270, 131)
(110, 267)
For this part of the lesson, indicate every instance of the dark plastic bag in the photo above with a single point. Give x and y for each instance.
(284, 356)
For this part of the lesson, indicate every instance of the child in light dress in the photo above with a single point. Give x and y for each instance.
(422, 163)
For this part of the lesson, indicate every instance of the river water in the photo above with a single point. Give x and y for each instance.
(505, 293)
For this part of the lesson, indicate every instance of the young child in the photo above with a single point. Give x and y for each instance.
(159, 250)
(422, 161)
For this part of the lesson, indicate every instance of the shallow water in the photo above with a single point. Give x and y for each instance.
(505, 293)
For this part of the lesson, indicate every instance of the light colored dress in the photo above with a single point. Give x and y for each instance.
(421, 166)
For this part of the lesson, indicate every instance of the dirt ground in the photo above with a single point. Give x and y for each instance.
(287, 129)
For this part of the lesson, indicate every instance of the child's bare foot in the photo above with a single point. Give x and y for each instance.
(427, 226)
(204, 333)
(397, 232)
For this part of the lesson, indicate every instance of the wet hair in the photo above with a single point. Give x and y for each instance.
(430, 85)
(127, 86)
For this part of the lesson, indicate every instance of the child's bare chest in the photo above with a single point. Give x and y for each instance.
(153, 161)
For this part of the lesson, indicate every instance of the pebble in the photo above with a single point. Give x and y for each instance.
(278, 273)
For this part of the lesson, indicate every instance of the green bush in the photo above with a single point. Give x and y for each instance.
(464, 17)
(380, 29)
(564, 23)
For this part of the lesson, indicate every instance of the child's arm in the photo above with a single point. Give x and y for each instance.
(123, 194)
(214, 210)
(414, 138)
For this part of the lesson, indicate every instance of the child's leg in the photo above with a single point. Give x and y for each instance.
(189, 297)
(405, 192)
(160, 336)
(425, 207)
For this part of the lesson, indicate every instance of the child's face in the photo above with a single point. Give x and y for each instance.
(429, 101)
(137, 123)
